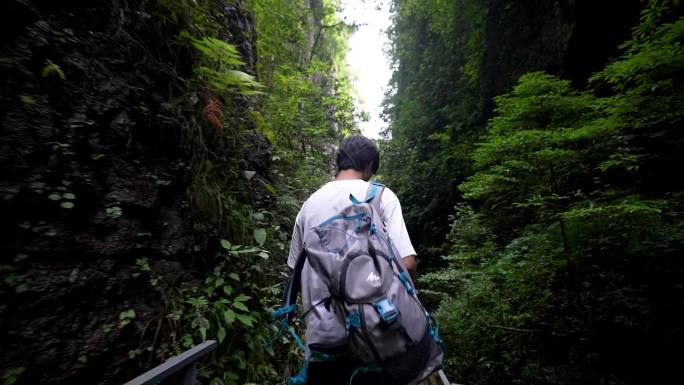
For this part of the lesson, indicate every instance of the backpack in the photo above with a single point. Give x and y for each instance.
(373, 307)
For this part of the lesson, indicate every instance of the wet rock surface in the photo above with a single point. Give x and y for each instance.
(93, 177)
(568, 38)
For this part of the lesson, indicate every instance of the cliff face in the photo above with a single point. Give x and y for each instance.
(568, 38)
(94, 176)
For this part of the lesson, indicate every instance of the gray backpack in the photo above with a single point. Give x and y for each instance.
(376, 314)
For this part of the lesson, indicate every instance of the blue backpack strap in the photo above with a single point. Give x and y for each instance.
(375, 195)
(292, 290)
(287, 312)
(300, 378)
(372, 190)
(375, 189)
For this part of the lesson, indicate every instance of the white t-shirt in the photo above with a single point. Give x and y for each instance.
(335, 195)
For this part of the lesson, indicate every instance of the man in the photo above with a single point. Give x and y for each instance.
(357, 160)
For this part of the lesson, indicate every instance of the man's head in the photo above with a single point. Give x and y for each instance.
(358, 153)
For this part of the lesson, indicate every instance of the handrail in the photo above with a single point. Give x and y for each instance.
(437, 378)
(185, 361)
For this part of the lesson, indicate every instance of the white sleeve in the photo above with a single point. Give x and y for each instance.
(296, 242)
(391, 210)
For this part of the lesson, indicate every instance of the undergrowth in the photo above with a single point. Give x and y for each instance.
(290, 118)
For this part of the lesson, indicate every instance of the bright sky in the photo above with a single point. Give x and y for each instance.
(366, 57)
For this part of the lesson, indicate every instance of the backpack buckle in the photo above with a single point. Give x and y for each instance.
(387, 310)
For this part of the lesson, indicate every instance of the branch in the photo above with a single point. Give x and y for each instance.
(318, 36)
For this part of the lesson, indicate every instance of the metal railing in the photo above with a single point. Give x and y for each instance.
(186, 362)
(437, 378)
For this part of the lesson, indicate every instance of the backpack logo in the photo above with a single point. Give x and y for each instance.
(372, 277)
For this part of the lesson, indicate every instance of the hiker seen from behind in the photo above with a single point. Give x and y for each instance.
(352, 259)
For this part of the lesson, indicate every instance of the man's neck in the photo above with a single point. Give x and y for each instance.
(349, 173)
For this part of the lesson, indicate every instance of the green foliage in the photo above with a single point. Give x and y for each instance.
(260, 236)
(114, 211)
(196, 14)
(125, 317)
(306, 108)
(64, 199)
(540, 150)
(433, 107)
(217, 66)
(302, 104)
(500, 303)
(142, 265)
(222, 310)
(569, 254)
(309, 103)
(52, 69)
(11, 376)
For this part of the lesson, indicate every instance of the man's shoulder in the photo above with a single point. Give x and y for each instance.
(316, 194)
(314, 200)
(388, 196)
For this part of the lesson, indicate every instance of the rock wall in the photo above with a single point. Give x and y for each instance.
(569, 38)
(94, 176)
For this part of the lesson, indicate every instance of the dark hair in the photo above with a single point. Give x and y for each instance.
(357, 152)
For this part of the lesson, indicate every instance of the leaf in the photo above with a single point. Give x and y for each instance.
(221, 333)
(52, 69)
(263, 254)
(69, 196)
(225, 244)
(203, 327)
(234, 276)
(240, 306)
(245, 319)
(271, 189)
(187, 341)
(249, 250)
(126, 314)
(67, 205)
(219, 282)
(229, 316)
(242, 298)
(55, 197)
(260, 236)
(27, 101)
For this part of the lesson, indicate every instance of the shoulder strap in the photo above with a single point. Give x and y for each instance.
(375, 188)
(292, 289)
(295, 280)
(374, 196)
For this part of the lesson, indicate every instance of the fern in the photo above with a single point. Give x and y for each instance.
(219, 60)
